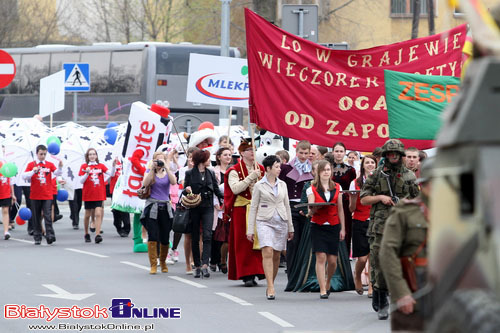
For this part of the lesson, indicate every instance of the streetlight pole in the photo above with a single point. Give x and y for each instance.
(224, 51)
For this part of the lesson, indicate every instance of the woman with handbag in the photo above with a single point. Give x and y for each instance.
(327, 228)
(201, 181)
(157, 214)
(270, 213)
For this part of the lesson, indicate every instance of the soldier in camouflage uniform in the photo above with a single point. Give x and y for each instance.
(405, 235)
(377, 192)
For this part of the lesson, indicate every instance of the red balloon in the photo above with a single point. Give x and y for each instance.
(206, 124)
(19, 220)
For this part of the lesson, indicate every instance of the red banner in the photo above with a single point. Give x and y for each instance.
(304, 91)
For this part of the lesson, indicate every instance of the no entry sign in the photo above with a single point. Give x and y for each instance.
(7, 69)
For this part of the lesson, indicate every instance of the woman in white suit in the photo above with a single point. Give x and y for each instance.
(270, 215)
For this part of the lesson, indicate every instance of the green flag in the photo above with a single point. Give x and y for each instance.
(415, 103)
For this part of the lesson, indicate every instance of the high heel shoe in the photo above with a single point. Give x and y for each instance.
(324, 296)
(270, 297)
(223, 268)
(205, 272)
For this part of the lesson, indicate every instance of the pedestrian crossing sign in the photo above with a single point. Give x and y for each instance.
(76, 77)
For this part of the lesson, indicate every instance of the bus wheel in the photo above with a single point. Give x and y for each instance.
(471, 310)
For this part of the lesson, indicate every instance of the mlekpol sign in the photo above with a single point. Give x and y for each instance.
(218, 80)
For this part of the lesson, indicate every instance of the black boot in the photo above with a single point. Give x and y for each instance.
(375, 299)
(383, 312)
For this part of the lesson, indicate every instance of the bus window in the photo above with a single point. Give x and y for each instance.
(13, 87)
(99, 70)
(58, 59)
(126, 72)
(33, 68)
(175, 60)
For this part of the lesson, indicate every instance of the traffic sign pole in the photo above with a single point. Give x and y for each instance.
(75, 105)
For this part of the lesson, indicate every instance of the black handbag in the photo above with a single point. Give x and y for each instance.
(182, 220)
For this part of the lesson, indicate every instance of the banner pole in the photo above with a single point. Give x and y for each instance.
(256, 165)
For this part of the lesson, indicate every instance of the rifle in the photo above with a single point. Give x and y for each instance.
(387, 177)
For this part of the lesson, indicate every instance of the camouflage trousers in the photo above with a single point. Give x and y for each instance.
(376, 275)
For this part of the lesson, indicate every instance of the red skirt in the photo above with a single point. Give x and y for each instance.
(243, 259)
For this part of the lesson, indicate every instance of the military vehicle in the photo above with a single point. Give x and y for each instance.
(464, 235)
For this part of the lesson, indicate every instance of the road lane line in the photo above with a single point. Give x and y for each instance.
(86, 252)
(276, 319)
(135, 265)
(192, 283)
(25, 241)
(234, 299)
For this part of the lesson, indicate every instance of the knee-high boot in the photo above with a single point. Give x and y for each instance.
(163, 257)
(153, 256)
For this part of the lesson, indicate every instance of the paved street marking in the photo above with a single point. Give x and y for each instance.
(86, 252)
(276, 319)
(135, 265)
(194, 284)
(25, 241)
(234, 299)
(61, 293)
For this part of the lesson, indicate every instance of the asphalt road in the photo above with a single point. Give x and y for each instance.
(92, 275)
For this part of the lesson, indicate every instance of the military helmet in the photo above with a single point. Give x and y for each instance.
(393, 145)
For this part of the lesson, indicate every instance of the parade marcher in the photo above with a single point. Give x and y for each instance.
(201, 180)
(328, 227)
(75, 205)
(321, 152)
(295, 174)
(313, 154)
(121, 220)
(94, 191)
(405, 236)
(343, 174)
(389, 183)
(270, 214)
(41, 172)
(157, 215)
(360, 221)
(181, 175)
(412, 160)
(7, 199)
(284, 156)
(220, 236)
(245, 263)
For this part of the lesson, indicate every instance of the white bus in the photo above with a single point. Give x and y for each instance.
(119, 76)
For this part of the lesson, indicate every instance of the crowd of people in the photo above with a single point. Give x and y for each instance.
(249, 218)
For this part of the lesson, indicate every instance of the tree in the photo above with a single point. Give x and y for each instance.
(416, 19)
(430, 5)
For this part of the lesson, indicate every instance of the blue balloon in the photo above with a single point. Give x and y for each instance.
(54, 148)
(62, 195)
(110, 136)
(25, 213)
(111, 124)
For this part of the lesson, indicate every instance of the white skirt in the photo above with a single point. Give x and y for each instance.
(273, 233)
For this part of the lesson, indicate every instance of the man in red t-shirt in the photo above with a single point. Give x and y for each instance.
(40, 172)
